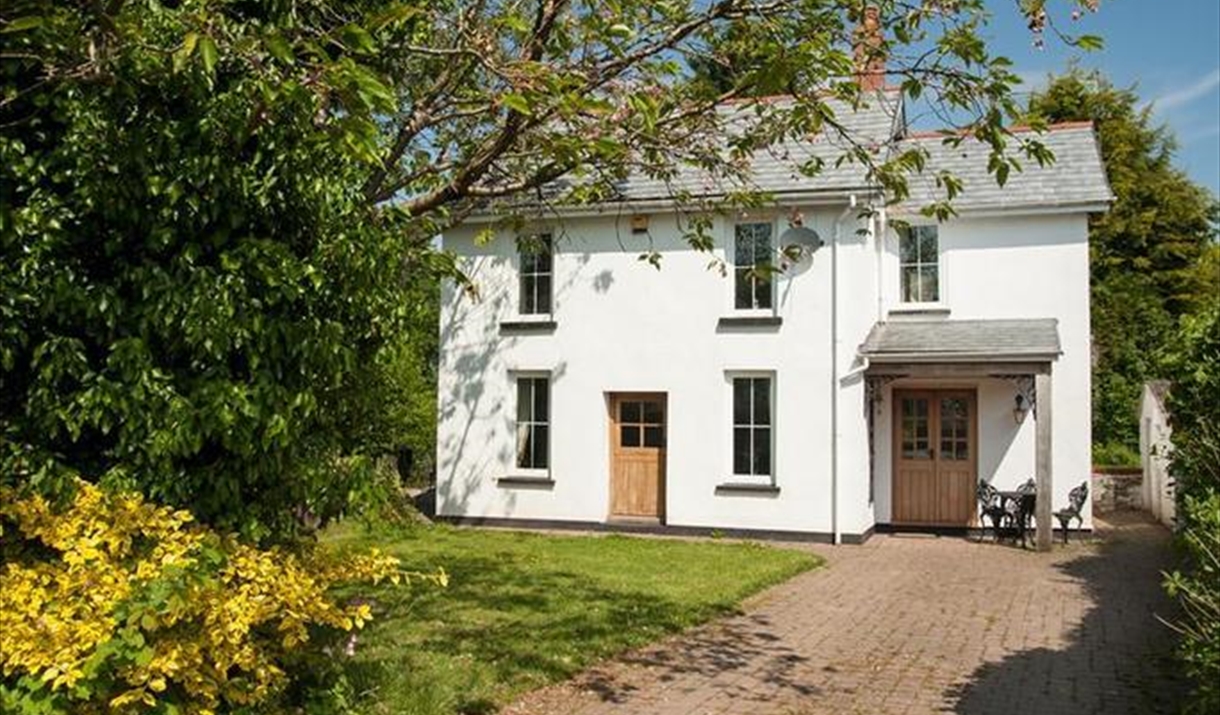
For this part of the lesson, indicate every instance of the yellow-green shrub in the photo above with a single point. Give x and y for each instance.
(113, 604)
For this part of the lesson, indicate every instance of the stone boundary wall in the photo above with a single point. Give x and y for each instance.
(1117, 490)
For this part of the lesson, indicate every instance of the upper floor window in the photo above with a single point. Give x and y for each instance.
(919, 261)
(751, 264)
(537, 272)
(533, 422)
(752, 421)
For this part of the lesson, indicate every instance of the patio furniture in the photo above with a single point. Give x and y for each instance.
(990, 507)
(1076, 500)
(1018, 506)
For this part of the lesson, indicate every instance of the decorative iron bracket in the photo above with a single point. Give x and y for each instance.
(873, 389)
(1025, 388)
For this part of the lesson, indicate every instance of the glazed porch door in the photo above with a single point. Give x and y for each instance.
(935, 461)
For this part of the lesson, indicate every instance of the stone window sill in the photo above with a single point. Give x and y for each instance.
(747, 488)
(919, 309)
(527, 327)
(525, 480)
(730, 322)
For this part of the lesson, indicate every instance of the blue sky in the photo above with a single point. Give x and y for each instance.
(1168, 49)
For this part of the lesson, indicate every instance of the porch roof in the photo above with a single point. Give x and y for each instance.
(962, 340)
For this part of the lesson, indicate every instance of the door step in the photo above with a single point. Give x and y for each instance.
(641, 521)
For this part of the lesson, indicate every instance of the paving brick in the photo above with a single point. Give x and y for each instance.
(917, 626)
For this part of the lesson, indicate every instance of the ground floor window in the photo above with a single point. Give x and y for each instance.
(753, 421)
(533, 422)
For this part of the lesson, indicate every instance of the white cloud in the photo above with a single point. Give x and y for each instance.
(1186, 94)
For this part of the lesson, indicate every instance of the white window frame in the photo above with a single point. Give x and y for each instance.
(902, 302)
(730, 426)
(515, 378)
(731, 256)
(519, 264)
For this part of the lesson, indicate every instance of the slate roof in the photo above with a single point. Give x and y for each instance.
(924, 340)
(1076, 179)
(875, 124)
(1077, 176)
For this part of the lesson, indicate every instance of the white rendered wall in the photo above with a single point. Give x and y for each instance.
(1155, 448)
(1012, 267)
(858, 312)
(624, 326)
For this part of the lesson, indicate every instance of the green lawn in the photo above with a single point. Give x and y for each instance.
(523, 610)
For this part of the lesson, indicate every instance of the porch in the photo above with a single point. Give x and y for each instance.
(950, 403)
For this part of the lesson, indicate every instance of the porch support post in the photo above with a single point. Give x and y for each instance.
(1042, 458)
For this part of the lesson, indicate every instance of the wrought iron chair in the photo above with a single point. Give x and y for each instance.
(1021, 510)
(990, 508)
(1076, 499)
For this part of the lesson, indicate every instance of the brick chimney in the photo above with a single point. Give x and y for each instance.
(870, 57)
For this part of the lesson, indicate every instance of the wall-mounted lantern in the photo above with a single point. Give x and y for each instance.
(1020, 410)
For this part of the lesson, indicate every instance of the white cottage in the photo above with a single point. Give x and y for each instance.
(870, 386)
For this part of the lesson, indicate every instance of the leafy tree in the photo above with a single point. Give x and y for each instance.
(743, 59)
(1146, 253)
(1207, 277)
(398, 409)
(1193, 359)
(195, 287)
(213, 212)
(1128, 325)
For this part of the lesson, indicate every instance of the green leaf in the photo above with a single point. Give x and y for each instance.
(279, 48)
(182, 54)
(358, 39)
(1001, 173)
(514, 21)
(22, 24)
(1090, 43)
(621, 30)
(207, 51)
(516, 102)
(375, 93)
(396, 13)
(484, 237)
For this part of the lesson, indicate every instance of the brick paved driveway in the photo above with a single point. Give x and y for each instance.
(913, 624)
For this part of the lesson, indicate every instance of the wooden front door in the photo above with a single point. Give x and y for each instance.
(637, 455)
(935, 457)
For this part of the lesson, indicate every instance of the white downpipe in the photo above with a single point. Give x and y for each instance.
(883, 226)
(836, 534)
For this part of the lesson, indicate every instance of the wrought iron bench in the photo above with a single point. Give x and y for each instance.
(1076, 499)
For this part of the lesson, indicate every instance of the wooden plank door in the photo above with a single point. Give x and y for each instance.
(935, 462)
(637, 455)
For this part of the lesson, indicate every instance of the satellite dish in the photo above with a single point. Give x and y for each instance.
(796, 247)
